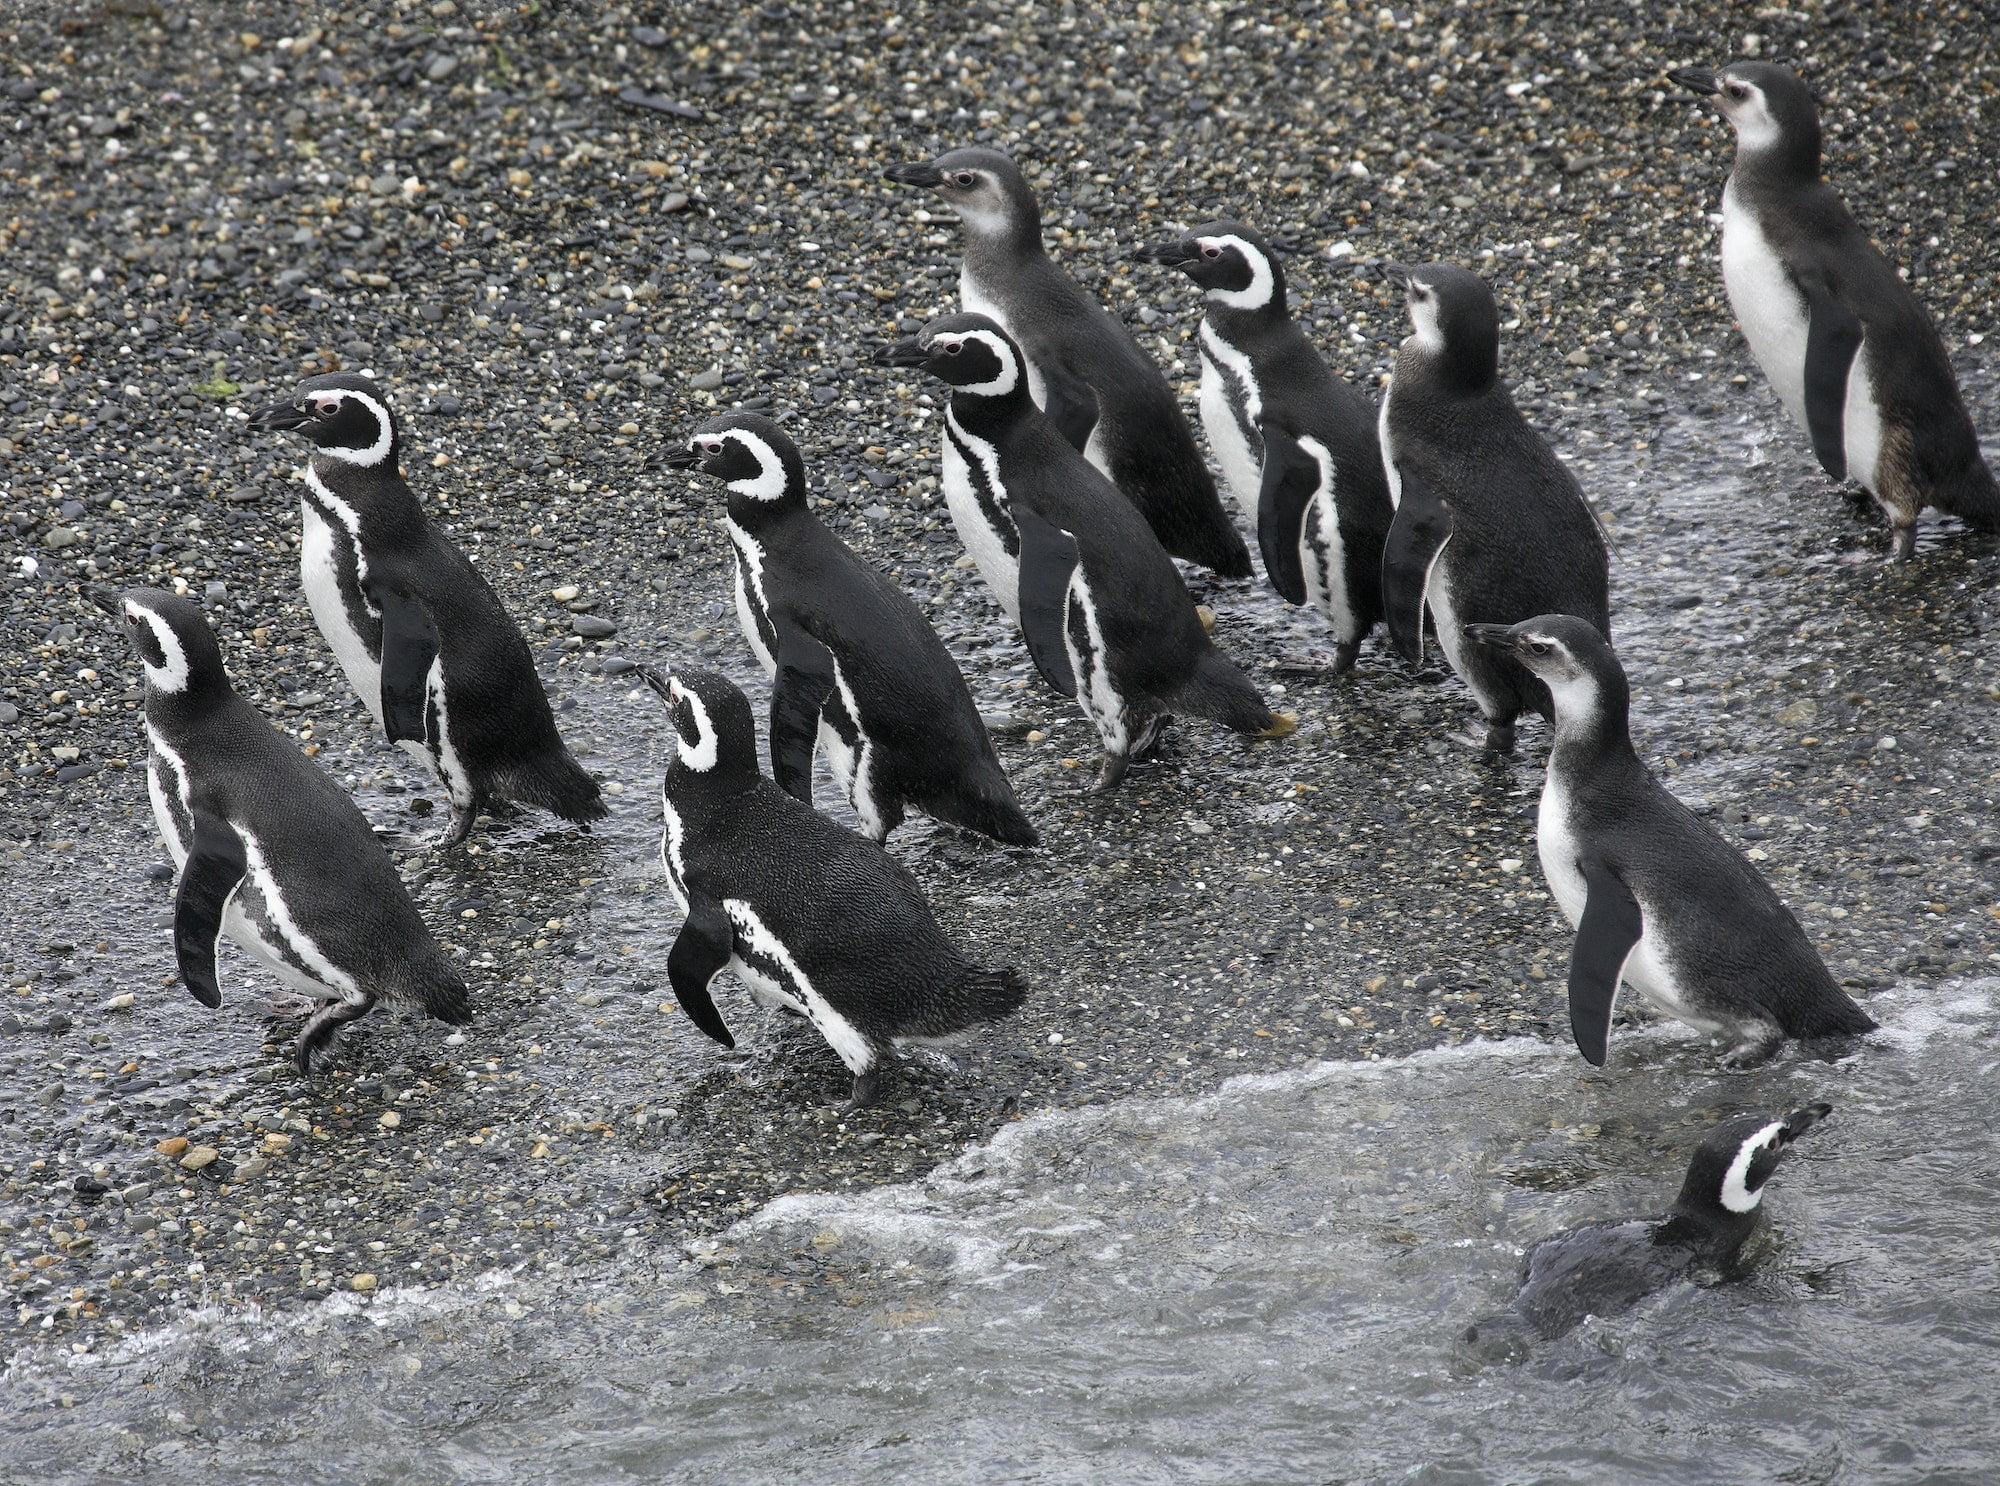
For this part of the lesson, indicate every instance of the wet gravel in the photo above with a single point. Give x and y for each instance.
(564, 234)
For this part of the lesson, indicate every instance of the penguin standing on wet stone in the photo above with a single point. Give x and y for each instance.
(852, 660)
(419, 632)
(1105, 614)
(271, 852)
(1100, 390)
(1659, 901)
(1297, 445)
(1490, 526)
(812, 918)
(1849, 350)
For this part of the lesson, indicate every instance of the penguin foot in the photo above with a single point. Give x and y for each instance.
(290, 1006)
(1338, 664)
(1905, 545)
(867, 1088)
(1148, 737)
(460, 827)
(1759, 1046)
(318, 1031)
(1110, 774)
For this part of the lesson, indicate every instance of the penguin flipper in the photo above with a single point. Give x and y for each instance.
(1610, 926)
(1416, 537)
(1833, 335)
(804, 681)
(701, 952)
(216, 864)
(1291, 478)
(1069, 404)
(1048, 562)
(409, 650)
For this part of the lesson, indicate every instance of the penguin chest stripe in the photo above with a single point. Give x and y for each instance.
(759, 944)
(274, 914)
(1322, 551)
(673, 845)
(167, 784)
(753, 608)
(443, 751)
(1089, 661)
(851, 752)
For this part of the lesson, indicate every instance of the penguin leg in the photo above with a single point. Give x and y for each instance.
(1111, 773)
(322, 1024)
(1758, 1042)
(1905, 545)
(1499, 740)
(866, 1090)
(1148, 736)
(460, 825)
(1345, 653)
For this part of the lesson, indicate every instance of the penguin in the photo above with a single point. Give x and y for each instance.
(1659, 901)
(1098, 387)
(1490, 526)
(270, 851)
(813, 918)
(1606, 1268)
(1298, 447)
(1850, 351)
(1106, 616)
(420, 633)
(851, 657)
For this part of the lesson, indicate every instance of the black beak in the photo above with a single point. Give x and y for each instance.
(909, 351)
(1398, 273)
(681, 459)
(1801, 1120)
(281, 416)
(105, 599)
(1493, 636)
(1700, 80)
(1169, 255)
(916, 173)
(660, 681)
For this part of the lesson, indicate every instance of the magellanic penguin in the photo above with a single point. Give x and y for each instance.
(1849, 350)
(1490, 525)
(813, 918)
(1297, 445)
(1098, 387)
(270, 851)
(851, 658)
(419, 632)
(1659, 901)
(1605, 1268)
(1103, 609)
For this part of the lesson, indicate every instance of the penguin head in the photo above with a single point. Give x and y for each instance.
(970, 352)
(1456, 323)
(984, 187)
(751, 455)
(1770, 108)
(714, 737)
(1233, 265)
(170, 636)
(344, 415)
(1726, 1175)
(1575, 661)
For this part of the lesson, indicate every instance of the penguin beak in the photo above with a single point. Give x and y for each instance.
(1801, 1120)
(916, 173)
(1492, 636)
(909, 351)
(1700, 80)
(283, 417)
(1398, 273)
(105, 599)
(681, 459)
(662, 682)
(1181, 255)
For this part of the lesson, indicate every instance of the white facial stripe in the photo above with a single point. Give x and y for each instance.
(1735, 1195)
(1257, 293)
(173, 676)
(374, 453)
(700, 756)
(1010, 366)
(769, 481)
(1424, 318)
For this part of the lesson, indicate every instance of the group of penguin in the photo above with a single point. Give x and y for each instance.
(1073, 481)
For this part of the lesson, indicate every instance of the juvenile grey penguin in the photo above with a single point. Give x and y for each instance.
(1606, 1268)
(1106, 617)
(853, 660)
(1849, 349)
(271, 852)
(1490, 525)
(1098, 387)
(1659, 901)
(418, 630)
(813, 918)
(1297, 445)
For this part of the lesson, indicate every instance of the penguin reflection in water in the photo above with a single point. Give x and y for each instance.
(813, 919)
(271, 852)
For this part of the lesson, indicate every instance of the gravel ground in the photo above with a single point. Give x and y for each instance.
(565, 234)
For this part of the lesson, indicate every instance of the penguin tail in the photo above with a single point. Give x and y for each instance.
(1218, 691)
(991, 810)
(1163, 475)
(439, 993)
(556, 783)
(991, 994)
(1841, 1020)
(1971, 495)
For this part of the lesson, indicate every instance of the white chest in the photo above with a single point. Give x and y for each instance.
(977, 508)
(1767, 304)
(1230, 401)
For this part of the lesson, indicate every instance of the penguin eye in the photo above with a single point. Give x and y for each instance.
(952, 348)
(326, 407)
(1734, 90)
(1538, 647)
(964, 178)
(1211, 252)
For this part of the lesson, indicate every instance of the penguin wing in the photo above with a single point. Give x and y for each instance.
(1611, 925)
(1833, 335)
(216, 865)
(409, 650)
(1067, 399)
(1291, 479)
(1048, 561)
(805, 679)
(1417, 535)
(701, 952)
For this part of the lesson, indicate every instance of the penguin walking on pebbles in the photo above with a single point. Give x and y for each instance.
(271, 852)
(1659, 901)
(1490, 526)
(812, 918)
(852, 660)
(1297, 445)
(1100, 390)
(1104, 612)
(1849, 349)
(419, 632)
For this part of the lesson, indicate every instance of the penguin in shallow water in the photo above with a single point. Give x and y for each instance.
(1297, 445)
(420, 633)
(1098, 387)
(812, 918)
(851, 658)
(1490, 526)
(1606, 1268)
(1104, 612)
(1659, 901)
(1849, 349)
(271, 852)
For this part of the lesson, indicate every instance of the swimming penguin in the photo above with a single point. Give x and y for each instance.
(270, 851)
(853, 660)
(1849, 350)
(419, 632)
(812, 918)
(1105, 614)
(1490, 525)
(1659, 901)
(1298, 446)
(1606, 1268)
(1098, 387)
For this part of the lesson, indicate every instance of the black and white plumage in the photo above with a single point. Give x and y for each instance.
(420, 633)
(1103, 609)
(813, 918)
(1659, 901)
(1297, 445)
(852, 660)
(1849, 349)
(1605, 1268)
(1085, 370)
(271, 852)
(1490, 525)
